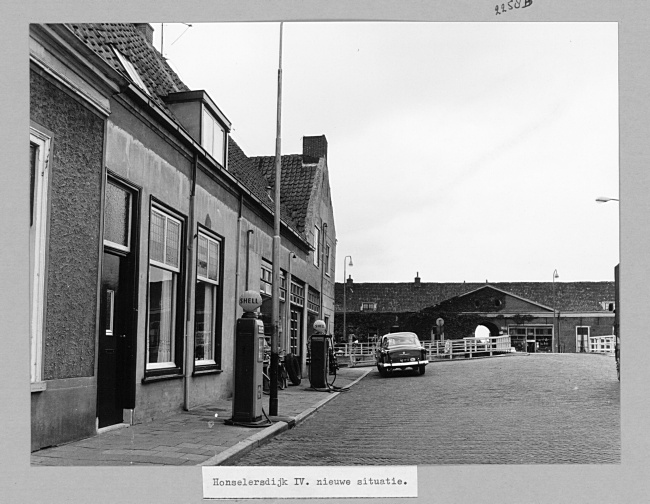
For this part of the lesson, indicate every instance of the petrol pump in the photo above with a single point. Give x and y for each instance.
(319, 348)
(249, 357)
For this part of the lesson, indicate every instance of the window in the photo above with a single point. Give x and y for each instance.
(541, 336)
(294, 332)
(165, 234)
(297, 294)
(39, 150)
(313, 300)
(117, 218)
(130, 69)
(283, 286)
(213, 137)
(327, 260)
(266, 279)
(608, 305)
(316, 246)
(368, 306)
(207, 335)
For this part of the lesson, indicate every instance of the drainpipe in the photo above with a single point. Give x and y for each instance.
(322, 270)
(287, 308)
(248, 254)
(237, 266)
(189, 308)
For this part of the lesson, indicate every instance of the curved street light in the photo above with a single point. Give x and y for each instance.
(617, 335)
(345, 288)
(605, 199)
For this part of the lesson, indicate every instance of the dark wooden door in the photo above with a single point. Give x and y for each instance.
(113, 338)
(116, 359)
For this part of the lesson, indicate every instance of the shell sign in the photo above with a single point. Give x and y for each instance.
(320, 326)
(250, 300)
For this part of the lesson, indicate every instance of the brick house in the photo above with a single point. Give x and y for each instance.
(147, 223)
(583, 321)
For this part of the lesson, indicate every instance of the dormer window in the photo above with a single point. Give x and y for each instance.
(366, 306)
(213, 137)
(203, 120)
(131, 71)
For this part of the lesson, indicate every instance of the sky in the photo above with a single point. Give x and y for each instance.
(456, 151)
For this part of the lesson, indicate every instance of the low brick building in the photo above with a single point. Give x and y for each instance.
(583, 320)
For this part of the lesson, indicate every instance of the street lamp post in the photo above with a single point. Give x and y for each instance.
(345, 288)
(275, 284)
(556, 327)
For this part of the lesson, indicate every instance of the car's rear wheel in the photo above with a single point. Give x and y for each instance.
(422, 369)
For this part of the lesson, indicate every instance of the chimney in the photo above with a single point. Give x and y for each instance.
(349, 281)
(417, 278)
(313, 148)
(147, 30)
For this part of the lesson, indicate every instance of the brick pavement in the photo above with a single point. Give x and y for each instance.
(518, 409)
(196, 437)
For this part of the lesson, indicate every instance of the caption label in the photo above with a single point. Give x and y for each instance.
(227, 482)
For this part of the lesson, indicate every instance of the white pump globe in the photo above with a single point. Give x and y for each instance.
(250, 301)
(320, 326)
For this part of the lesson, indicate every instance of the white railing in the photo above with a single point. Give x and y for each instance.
(468, 347)
(363, 354)
(356, 354)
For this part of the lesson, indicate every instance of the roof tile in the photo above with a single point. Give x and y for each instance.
(408, 297)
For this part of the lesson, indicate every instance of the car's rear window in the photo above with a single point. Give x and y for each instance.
(402, 340)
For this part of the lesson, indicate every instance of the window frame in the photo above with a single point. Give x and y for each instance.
(42, 139)
(131, 70)
(215, 362)
(215, 126)
(297, 294)
(129, 220)
(316, 246)
(313, 300)
(328, 251)
(266, 278)
(175, 365)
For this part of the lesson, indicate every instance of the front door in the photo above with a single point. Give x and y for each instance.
(116, 359)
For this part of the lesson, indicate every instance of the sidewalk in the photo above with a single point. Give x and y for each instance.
(196, 437)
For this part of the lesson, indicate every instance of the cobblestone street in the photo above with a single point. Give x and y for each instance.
(523, 409)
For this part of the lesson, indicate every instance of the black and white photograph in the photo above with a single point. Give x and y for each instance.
(295, 254)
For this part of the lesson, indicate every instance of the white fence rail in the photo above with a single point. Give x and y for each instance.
(357, 354)
(363, 354)
(468, 347)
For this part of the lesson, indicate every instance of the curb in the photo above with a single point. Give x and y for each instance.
(243, 447)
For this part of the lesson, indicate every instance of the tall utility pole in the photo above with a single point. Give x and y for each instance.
(273, 375)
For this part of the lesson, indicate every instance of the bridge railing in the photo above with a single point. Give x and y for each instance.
(363, 354)
(356, 354)
(468, 347)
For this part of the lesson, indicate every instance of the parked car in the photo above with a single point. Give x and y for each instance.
(400, 350)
